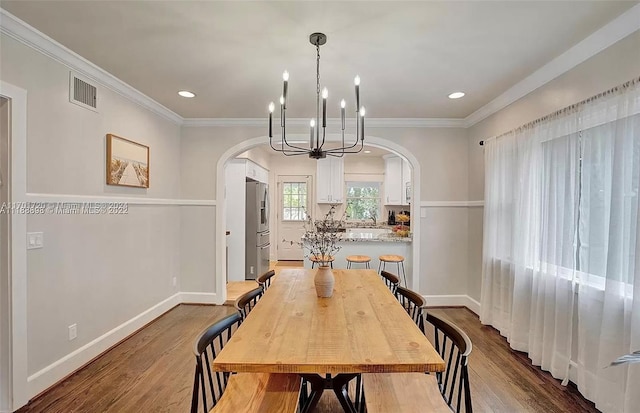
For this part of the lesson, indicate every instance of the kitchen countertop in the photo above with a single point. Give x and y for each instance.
(375, 238)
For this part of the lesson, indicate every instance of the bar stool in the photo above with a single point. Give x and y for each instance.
(326, 258)
(398, 259)
(358, 259)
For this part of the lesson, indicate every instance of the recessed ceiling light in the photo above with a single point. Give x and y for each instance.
(456, 95)
(367, 151)
(186, 94)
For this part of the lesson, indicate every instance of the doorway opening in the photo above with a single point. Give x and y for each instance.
(294, 167)
(293, 201)
(5, 285)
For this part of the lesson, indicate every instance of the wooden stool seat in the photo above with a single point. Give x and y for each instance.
(260, 392)
(403, 392)
(324, 258)
(392, 258)
(359, 259)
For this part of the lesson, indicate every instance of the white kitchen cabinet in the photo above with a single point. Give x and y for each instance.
(256, 172)
(397, 181)
(406, 183)
(330, 180)
(393, 180)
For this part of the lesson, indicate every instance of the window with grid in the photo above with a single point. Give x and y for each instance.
(294, 201)
(363, 200)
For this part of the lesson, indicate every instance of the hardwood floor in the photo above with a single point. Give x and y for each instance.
(152, 371)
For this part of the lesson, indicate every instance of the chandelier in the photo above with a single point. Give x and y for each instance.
(316, 148)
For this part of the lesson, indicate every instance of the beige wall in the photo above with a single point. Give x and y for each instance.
(441, 152)
(96, 271)
(611, 67)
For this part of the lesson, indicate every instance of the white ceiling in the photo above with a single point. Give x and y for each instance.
(410, 55)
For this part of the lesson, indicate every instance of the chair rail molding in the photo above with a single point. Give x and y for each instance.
(131, 200)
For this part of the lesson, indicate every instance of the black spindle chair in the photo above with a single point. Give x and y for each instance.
(245, 303)
(414, 305)
(207, 346)
(265, 279)
(391, 280)
(454, 346)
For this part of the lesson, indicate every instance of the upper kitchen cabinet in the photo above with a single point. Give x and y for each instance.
(406, 181)
(256, 172)
(330, 180)
(397, 181)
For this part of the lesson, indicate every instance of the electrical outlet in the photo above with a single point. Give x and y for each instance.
(73, 331)
(35, 240)
(251, 269)
(175, 281)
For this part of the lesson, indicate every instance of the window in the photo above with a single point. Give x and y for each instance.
(294, 201)
(363, 200)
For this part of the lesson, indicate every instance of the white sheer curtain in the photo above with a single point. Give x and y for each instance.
(561, 248)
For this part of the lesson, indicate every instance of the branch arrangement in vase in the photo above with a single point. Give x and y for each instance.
(321, 236)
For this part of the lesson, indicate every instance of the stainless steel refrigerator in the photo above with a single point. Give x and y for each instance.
(257, 230)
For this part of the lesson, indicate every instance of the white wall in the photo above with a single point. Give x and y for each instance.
(5, 322)
(611, 67)
(97, 271)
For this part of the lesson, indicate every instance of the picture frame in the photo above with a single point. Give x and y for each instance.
(127, 162)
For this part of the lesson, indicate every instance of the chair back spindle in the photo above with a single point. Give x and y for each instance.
(413, 303)
(454, 346)
(391, 280)
(247, 301)
(265, 279)
(206, 348)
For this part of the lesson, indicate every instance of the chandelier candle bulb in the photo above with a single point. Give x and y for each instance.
(282, 111)
(356, 81)
(325, 95)
(362, 111)
(271, 108)
(285, 77)
(342, 113)
(312, 125)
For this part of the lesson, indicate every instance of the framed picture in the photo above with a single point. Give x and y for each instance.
(127, 162)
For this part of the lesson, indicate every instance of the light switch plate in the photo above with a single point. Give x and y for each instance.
(35, 240)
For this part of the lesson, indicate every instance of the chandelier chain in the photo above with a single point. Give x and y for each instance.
(318, 69)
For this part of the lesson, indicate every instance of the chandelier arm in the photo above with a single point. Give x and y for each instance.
(345, 150)
(283, 149)
(283, 142)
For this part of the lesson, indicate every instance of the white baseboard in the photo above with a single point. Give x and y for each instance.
(453, 301)
(199, 298)
(58, 370)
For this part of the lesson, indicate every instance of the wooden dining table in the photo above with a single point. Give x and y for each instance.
(362, 328)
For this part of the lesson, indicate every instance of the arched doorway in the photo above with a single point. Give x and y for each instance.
(243, 146)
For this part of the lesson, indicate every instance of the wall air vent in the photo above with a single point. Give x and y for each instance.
(82, 93)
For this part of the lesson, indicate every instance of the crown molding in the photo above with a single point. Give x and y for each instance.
(619, 28)
(30, 36)
(332, 122)
(616, 30)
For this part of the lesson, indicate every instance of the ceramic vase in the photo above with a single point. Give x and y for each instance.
(324, 281)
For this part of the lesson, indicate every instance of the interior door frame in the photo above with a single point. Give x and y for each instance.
(18, 240)
(310, 202)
